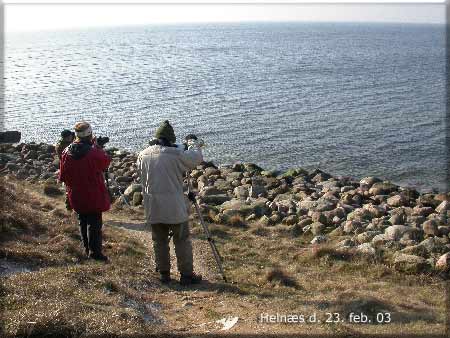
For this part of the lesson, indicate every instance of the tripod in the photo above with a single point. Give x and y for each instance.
(206, 230)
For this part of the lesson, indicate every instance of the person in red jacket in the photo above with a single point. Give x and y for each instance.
(82, 168)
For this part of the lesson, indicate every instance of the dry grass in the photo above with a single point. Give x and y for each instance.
(269, 271)
(237, 221)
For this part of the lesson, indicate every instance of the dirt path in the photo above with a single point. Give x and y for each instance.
(203, 259)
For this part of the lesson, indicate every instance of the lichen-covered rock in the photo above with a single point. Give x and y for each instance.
(366, 249)
(434, 245)
(417, 250)
(409, 263)
(397, 231)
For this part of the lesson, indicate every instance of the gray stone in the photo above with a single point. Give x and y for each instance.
(367, 182)
(397, 200)
(216, 199)
(257, 189)
(366, 248)
(367, 236)
(397, 219)
(210, 171)
(351, 226)
(443, 207)
(241, 192)
(422, 211)
(395, 232)
(132, 189)
(430, 227)
(382, 188)
(379, 240)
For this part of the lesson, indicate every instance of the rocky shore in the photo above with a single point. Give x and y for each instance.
(370, 216)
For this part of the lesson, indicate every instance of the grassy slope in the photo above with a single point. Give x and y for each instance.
(271, 271)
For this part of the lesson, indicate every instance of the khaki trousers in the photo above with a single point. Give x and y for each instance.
(182, 243)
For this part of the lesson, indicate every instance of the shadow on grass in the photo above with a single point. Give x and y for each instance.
(140, 226)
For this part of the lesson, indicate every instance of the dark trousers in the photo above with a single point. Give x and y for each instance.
(182, 243)
(91, 232)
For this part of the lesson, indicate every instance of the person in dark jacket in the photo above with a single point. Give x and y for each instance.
(82, 168)
(66, 139)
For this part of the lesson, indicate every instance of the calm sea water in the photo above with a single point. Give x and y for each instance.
(351, 99)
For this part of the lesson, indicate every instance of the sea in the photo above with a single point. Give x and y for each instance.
(352, 99)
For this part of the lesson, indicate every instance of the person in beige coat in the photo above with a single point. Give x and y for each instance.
(161, 167)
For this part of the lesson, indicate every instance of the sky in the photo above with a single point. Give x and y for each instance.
(35, 17)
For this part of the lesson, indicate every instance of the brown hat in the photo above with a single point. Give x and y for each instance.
(83, 129)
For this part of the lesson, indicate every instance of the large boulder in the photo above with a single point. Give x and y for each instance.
(382, 188)
(216, 199)
(244, 208)
(397, 201)
(367, 236)
(443, 207)
(241, 192)
(409, 263)
(430, 227)
(210, 191)
(367, 182)
(257, 187)
(366, 249)
(397, 231)
(434, 245)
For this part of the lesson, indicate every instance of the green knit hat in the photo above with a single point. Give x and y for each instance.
(165, 130)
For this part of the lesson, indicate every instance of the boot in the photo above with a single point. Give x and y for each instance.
(190, 279)
(165, 277)
(98, 257)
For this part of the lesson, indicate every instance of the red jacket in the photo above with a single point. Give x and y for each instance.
(82, 169)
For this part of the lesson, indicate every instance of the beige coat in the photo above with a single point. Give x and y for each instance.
(161, 170)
